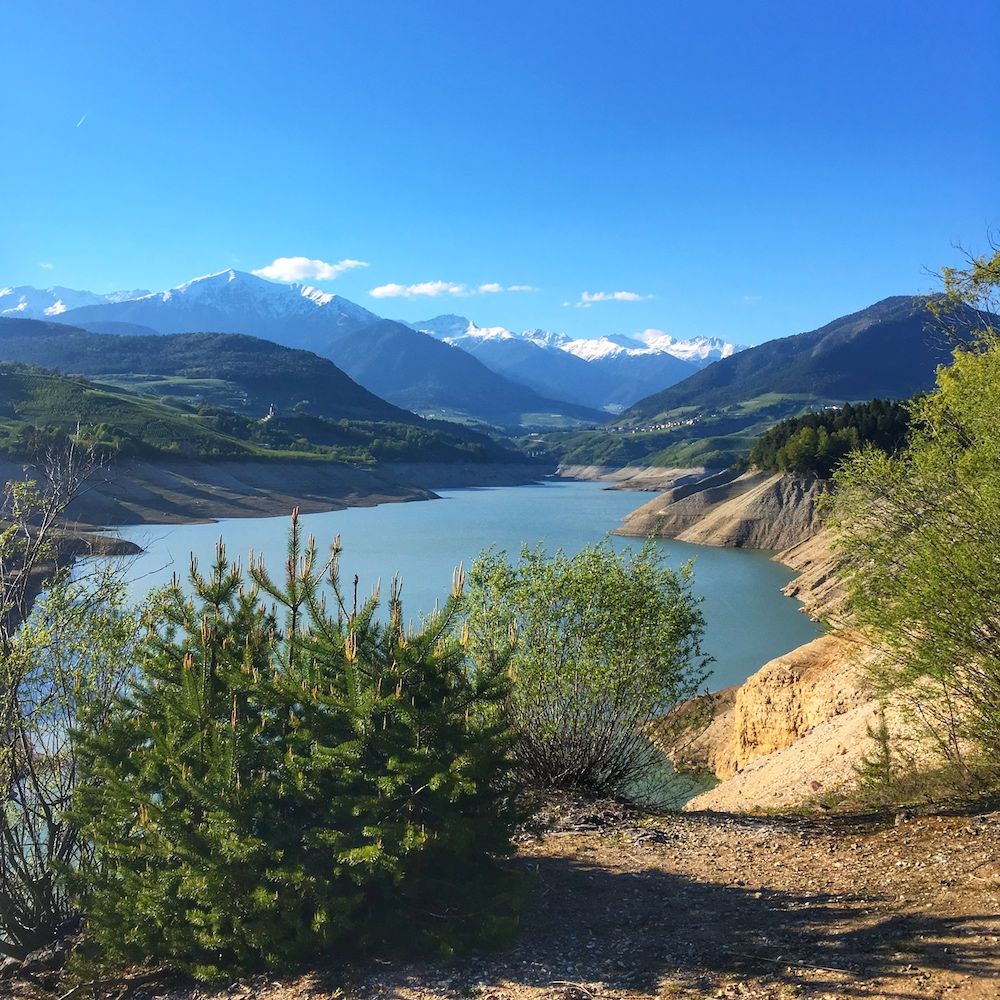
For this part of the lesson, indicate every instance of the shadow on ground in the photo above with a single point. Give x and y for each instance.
(637, 931)
(633, 929)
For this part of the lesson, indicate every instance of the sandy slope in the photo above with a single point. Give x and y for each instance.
(186, 491)
(753, 510)
(636, 477)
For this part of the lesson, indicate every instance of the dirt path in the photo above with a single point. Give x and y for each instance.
(701, 905)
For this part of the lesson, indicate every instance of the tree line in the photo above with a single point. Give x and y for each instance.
(815, 443)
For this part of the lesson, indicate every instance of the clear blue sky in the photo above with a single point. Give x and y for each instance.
(757, 168)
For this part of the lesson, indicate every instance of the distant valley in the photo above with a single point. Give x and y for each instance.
(536, 380)
(889, 350)
(288, 369)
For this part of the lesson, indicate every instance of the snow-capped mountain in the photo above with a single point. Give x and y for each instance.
(390, 359)
(26, 302)
(699, 350)
(232, 302)
(453, 329)
(704, 349)
(610, 372)
(229, 289)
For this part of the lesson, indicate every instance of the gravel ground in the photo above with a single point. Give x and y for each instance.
(628, 906)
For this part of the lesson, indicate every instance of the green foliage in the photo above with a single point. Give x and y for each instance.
(816, 443)
(918, 533)
(287, 781)
(599, 644)
(61, 669)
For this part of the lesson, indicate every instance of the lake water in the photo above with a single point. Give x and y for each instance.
(748, 619)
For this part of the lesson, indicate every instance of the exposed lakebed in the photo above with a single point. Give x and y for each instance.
(748, 619)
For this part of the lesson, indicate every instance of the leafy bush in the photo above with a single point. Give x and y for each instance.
(918, 535)
(61, 669)
(599, 646)
(285, 782)
(60, 661)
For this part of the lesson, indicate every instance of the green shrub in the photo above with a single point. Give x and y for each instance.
(600, 645)
(298, 780)
(816, 443)
(917, 534)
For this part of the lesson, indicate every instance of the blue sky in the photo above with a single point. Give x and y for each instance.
(740, 169)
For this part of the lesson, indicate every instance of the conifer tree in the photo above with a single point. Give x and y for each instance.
(282, 780)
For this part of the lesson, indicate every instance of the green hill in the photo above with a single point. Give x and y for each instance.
(891, 350)
(224, 369)
(38, 406)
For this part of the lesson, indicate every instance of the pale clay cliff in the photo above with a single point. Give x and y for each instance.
(756, 510)
(799, 727)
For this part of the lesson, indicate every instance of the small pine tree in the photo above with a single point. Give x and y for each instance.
(281, 781)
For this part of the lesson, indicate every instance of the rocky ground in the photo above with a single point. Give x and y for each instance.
(627, 906)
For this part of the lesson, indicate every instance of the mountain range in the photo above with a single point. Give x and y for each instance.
(705, 402)
(610, 372)
(461, 371)
(26, 302)
(890, 350)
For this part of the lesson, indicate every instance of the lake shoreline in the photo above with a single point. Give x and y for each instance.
(200, 492)
(422, 543)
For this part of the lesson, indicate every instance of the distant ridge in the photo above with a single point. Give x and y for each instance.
(890, 350)
(606, 372)
(409, 368)
(294, 315)
(432, 377)
(261, 371)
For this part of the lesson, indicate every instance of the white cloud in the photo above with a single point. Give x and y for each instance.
(434, 289)
(47, 264)
(431, 288)
(300, 268)
(587, 299)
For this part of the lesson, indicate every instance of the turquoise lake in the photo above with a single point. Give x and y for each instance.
(748, 619)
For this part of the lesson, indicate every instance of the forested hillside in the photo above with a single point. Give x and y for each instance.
(227, 369)
(815, 443)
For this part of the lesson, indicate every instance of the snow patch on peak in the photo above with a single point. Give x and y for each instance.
(27, 302)
(612, 346)
(447, 327)
(546, 338)
(489, 332)
(695, 349)
(316, 295)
